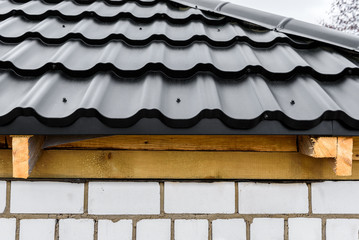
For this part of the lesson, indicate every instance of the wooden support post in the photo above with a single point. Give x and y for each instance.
(26, 150)
(343, 160)
(340, 148)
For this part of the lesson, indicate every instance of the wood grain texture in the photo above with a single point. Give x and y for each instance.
(188, 143)
(2, 141)
(26, 150)
(96, 164)
(343, 163)
(8, 141)
(355, 148)
(318, 147)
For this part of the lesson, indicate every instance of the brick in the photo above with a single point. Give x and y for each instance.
(2, 196)
(340, 229)
(191, 230)
(75, 229)
(109, 230)
(7, 228)
(335, 197)
(46, 197)
(199, 197)
(39, 229)
(153, 229)
(267, 228)
(305, 228)
(266, 198)
(124, 198)
(229, 229)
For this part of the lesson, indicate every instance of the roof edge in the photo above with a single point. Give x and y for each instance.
(276, 22)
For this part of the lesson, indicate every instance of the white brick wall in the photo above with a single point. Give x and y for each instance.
(154, 229)
(7, 228)
(229, 229)
(199, 197)
(305, 229)
(2, 196)
(267, 228)
(191, 230)
(39, 229)
(76, 229)
(335, 197)
(340, 229)
(46, 197)
(138, 210)
(109, 230)
(263, 198)
(124, 198)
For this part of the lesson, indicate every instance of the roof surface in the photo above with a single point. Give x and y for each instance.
(160, 67)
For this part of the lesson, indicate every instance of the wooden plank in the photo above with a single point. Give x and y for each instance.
(8, 141)
(178, 165)
(343, 163)
(318, 147)
(26, 150)
(2, 141)
(189, 143)
(5, 163)
(355, 148)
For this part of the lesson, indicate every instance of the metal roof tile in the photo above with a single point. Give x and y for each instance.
(79, 59)
(89, 30)
(130, 66)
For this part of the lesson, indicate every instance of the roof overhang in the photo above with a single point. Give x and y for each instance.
(29, 125)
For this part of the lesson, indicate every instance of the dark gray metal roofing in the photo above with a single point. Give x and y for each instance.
(277, 22)
(156, 67)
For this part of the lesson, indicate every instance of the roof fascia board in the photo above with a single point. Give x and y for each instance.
(274, 21)
(148, 126)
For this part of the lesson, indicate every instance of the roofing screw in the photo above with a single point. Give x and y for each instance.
(140, 28)
(292, 102)
(218, 30)
(64, 100)
(178, 100)
(53, 66)
(350, 71)
(266, 116)
(63, 26)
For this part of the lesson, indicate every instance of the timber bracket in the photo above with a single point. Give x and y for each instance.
(339, 148)
(26, 150)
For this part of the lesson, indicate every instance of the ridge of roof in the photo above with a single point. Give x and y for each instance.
(276, 22)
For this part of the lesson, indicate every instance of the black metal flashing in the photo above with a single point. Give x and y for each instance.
(153, 126)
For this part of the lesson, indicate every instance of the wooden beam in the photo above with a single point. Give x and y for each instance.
(26, 150)
(355, 148)
(96, 164)
(8, 141)
(2, 141)
(188, 143)
(340, 148)
(343, 161)
(318, 147)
